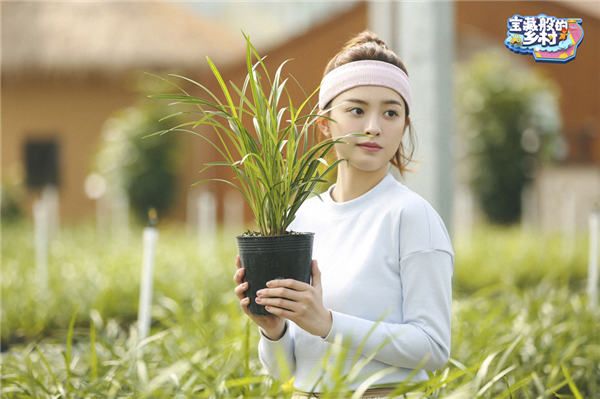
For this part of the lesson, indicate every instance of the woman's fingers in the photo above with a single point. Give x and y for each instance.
(242, 287)
(244, 304)
(238, 276)
(279, 303)
(282, 292)
(240, 290)
(239, 273)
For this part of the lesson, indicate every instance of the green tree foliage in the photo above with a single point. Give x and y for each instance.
(511, 123)
(12, 198)
(145, 169)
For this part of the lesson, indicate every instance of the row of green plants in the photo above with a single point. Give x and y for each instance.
(507, 343)
(88, 270)
(521, 327)
(92, 270)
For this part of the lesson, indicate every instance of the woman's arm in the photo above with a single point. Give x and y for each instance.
(426, 278)
(277, 356)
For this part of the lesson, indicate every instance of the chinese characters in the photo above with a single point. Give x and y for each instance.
(541, 30)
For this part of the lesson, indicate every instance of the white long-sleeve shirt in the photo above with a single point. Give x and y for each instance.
(387, 256)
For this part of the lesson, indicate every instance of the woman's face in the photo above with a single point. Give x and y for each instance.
(375, 110)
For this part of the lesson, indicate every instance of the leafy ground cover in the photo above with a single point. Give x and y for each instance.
(521, 324)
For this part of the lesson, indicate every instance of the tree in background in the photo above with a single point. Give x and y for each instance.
(144, 168)
(511, 123)
(12, 198)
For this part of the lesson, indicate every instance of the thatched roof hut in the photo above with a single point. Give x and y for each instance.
(99, 37)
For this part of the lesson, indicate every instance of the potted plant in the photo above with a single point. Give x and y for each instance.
(275, 165)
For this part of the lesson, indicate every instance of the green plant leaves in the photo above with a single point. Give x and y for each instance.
(273, 182)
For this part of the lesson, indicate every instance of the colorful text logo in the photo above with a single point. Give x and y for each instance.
(548, 38)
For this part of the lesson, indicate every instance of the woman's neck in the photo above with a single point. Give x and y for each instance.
(351, 183)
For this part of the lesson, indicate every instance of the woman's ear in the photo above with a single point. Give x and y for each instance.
(323, 125)
(406, 125)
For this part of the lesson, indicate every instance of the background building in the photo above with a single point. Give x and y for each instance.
(76, 64)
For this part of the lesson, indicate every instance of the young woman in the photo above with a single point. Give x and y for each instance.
(383, 259)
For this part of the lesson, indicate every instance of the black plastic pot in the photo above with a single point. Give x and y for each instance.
(274, 257)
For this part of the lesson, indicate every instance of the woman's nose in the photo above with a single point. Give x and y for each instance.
(373, 127)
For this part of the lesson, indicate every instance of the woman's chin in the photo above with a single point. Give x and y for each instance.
(365, 166)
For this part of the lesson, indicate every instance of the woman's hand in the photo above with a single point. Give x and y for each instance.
(299, 302)
(272, 325)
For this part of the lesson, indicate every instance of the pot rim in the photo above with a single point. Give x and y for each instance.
(299, 233)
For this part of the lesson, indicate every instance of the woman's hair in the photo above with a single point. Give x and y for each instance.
(368, 46)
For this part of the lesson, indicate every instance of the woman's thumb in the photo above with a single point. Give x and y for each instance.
(316, 274)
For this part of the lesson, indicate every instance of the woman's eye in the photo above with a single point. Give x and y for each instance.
(393, 113)
(356, 109)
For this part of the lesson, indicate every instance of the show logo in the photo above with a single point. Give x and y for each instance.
(548, 38)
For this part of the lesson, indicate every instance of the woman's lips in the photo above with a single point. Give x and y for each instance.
(369, 148)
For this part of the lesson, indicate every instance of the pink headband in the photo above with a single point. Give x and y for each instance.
(363, 73)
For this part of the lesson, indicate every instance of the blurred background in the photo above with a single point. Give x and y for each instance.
(508, 153)
(80, 66)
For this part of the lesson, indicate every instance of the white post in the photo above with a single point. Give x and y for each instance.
(569, 224)
(469, 214)
(463, 215)
(125, 209)
(234, 210)
(207, 220)
(592, 286)
(50, 199)
(149, 241)
(40, 221)
(193, 212)
(381, 19)
(429, 61)
(95, 189)
(120, 215)
(528, 207)
(191, 216)
(102, 216)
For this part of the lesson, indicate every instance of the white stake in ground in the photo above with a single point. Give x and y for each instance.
(95, 189)
(207, 221)
(40, 222)
(234, 210)
(191, 213)
(120, 215)
(149, 240)
(592, 288)
(569, 224)
(51, 202)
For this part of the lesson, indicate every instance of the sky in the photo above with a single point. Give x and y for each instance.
(267, 22)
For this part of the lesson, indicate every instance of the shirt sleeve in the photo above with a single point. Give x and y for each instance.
(277, 357)
(423, 339)
(422, 229)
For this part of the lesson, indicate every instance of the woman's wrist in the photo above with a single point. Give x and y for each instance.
(275, 335)
(328, 324)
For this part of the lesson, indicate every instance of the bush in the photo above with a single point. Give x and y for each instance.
(144, 168)
(511, 123)
(12, 197)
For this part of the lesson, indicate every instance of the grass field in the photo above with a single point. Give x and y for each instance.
(521, 326)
